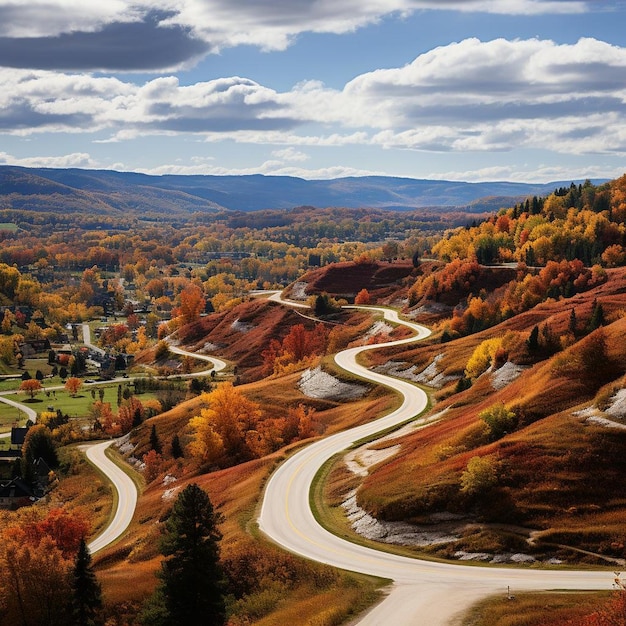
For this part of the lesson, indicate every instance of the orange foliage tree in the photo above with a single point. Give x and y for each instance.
(298, 345)
(363, 297)
(31, 386)
(192, 303)
(36, 556)
(72, 385)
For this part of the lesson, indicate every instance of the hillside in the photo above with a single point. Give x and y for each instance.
(111, 192)
(346, 279)
(558, 466)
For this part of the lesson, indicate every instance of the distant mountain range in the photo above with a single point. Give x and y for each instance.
(108, 192)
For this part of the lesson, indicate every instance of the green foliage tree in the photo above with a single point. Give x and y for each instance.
(498, 421)
(597, 317)
(192, 582)
(38, 443)
(480, 475)
(86, 600)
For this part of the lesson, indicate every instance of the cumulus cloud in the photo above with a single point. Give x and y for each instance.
(145, 44)
(467, 96)
(76, 159)
(163, 34)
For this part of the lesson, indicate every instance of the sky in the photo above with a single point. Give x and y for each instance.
(473, 90)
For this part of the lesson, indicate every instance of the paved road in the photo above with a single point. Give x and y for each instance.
(424, 593)
(126, 494)
(218, 364)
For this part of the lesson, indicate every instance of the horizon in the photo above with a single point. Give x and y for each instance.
(580, 180)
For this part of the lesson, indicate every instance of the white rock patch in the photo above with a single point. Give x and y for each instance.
(378, 328)
(430, 375)
(241, 327)
(360, 460)
(316, 383)
(505, 375)
(618, 405)
(298, 291)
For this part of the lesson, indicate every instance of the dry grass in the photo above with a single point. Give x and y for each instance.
(558, 474)
(536, 609)
(235, 492)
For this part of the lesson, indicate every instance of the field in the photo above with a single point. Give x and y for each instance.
(54, 397)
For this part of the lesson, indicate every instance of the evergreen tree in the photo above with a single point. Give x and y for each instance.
(573, 322)
(177, 449)
(597, 317)
(192, 582)
(86, 592)
(533, 340)
(155, 443)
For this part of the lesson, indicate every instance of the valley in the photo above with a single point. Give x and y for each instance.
(508, 352)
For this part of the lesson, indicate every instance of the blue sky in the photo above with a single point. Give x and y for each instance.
(525, 90)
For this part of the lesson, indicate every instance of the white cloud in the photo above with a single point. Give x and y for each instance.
(469, 96)
(218, 24)
(39, 18)
(76, 159)
(290, 154)
(269, 168)
(536, 173)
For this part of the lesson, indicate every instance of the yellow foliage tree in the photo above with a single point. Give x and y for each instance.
(482, 357)
(222, 426)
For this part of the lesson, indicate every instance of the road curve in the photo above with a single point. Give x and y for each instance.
(424, 592)
(126, 494)
(218, 364)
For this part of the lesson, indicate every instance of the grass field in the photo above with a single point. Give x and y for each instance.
(8, 226)
(59, 399)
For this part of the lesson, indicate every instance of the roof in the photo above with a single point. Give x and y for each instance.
(15, 488)
(18, 435)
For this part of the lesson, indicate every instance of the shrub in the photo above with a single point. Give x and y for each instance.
(498, 420)
(480, 475)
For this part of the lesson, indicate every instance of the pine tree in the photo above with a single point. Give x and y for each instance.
(597, 317)
(177, 449)
(192, 582)
(155, 443)
(86, 591)
(533, 340)
(573, 322)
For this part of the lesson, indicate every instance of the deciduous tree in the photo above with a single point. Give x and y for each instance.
(31, 386)
(72, 385)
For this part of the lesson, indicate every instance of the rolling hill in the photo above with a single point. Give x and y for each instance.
(110, 192)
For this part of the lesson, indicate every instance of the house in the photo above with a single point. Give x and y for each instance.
(18, 435)
(14, 494)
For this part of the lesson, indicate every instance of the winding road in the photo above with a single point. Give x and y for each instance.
(126, 494)
(424, 592)
(126, 490)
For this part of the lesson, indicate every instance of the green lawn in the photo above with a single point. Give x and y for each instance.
(61, 399)
(8, 226)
